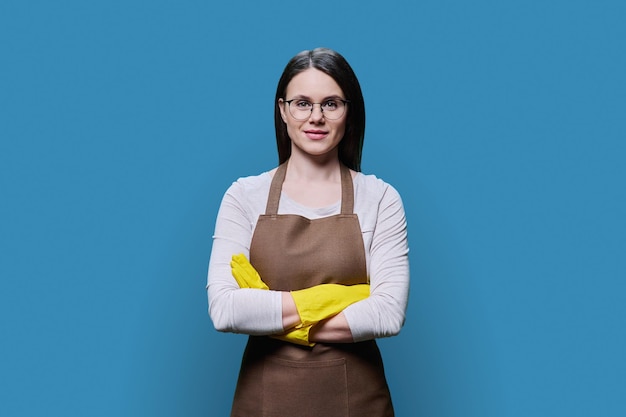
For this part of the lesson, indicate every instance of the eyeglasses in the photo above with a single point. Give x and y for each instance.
(332, 109)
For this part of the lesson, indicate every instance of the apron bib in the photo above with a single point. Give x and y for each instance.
(281, 379)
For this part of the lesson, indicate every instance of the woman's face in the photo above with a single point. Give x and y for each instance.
(316, 135)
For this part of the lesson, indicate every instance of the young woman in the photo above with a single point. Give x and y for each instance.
(311, 258)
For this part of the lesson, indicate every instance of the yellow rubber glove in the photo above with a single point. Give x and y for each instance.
(322, 301)
(245, 274)
(317, 303)
(299, 336)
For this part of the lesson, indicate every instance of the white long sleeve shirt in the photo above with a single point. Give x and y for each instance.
(259, 312)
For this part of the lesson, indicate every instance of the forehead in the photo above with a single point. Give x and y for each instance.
(313, 83)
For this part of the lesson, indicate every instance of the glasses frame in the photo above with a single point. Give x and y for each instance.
(345, 103)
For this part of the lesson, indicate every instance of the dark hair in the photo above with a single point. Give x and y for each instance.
(336, 66)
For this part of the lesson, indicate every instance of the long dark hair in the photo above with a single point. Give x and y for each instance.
(336, 66)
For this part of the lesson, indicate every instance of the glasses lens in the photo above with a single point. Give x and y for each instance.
(333, 109)
(302, 109)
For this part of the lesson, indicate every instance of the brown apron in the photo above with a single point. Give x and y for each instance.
(281, 379)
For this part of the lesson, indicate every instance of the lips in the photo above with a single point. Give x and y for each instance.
(315, 134)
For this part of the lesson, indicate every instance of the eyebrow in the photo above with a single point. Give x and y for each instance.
(307, 98)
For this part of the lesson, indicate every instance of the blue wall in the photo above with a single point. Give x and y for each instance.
(501, 123)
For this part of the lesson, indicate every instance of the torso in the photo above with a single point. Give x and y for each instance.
(278, 378)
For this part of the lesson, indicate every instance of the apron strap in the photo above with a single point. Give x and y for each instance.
(275, 189)
(347, 190)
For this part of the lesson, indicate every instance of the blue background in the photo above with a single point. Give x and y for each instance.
(502, 124)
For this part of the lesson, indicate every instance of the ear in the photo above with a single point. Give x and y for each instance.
(281, 106)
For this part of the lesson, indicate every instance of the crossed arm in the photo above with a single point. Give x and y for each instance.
(305, 309)
(250, 311)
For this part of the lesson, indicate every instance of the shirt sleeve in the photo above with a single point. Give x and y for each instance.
(234, 309)
(382, 314)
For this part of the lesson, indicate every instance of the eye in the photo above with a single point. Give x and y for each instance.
(303, 104)
(330, 105)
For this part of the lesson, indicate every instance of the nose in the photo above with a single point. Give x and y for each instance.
(316, 114)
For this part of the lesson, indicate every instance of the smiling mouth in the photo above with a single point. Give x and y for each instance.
(316, 134)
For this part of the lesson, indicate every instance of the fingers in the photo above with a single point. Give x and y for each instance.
(245, 274)
(237, 265)
(299, 336)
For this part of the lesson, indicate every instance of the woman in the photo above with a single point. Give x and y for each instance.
(316, 232)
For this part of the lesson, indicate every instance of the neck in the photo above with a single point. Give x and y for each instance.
(313, 168)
